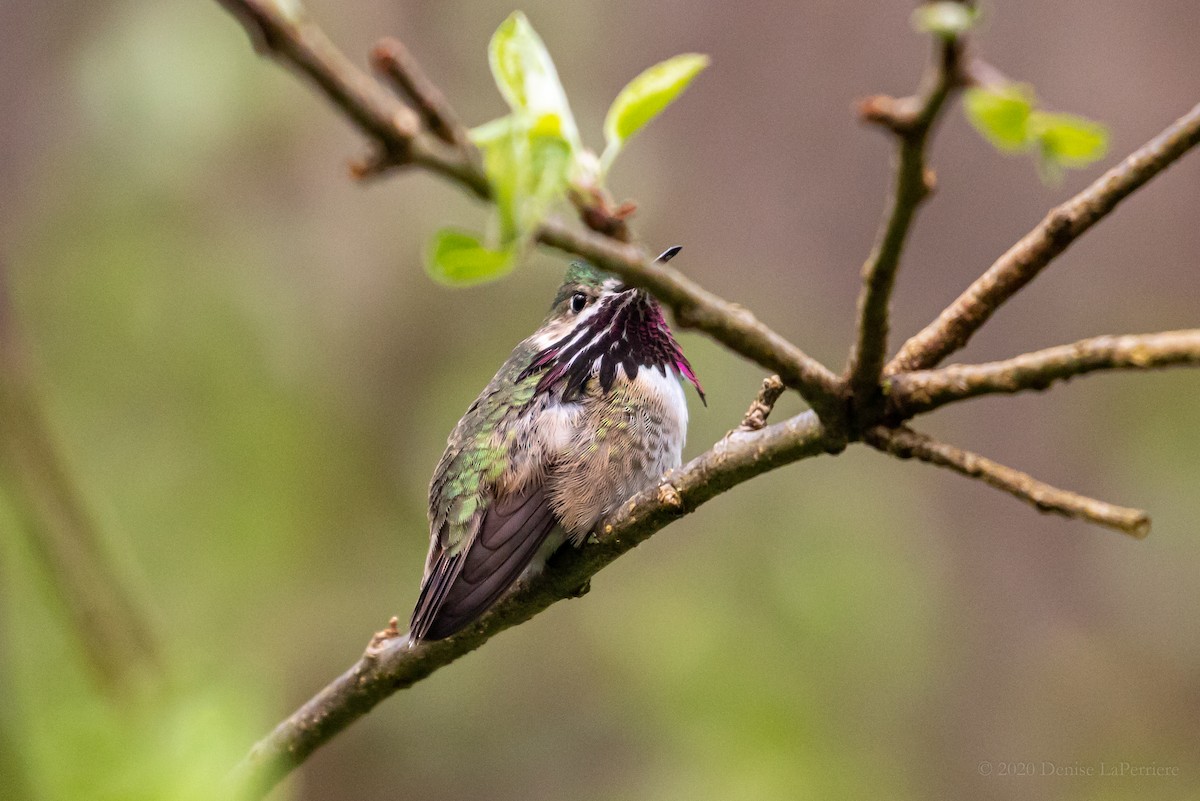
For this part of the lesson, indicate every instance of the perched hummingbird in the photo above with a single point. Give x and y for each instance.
(586, 412)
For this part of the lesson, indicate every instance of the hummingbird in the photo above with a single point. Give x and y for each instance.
(586, 412)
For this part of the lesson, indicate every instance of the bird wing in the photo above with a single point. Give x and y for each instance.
(460, 584)
(481, 535)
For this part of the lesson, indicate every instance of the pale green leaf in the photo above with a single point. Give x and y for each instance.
(458, 258)
(526, 77)
(1001, 115)
(1007, 117)
(550, 163)
(1068, 139)
(946, 19)
(645, 97)
(492, 130)
(527, 172)
(506, 160)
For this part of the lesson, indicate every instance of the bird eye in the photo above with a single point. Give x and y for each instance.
(578, 301)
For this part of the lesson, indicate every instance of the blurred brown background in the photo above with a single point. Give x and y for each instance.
(253, 378)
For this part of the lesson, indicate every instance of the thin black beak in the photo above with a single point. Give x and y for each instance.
(668, 254)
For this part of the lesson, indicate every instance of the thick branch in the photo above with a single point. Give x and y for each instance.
(1062, 226)
(395, 665)
(911, 119)
(396, 128)
(905, 443)
(924, 390)
(695, 307)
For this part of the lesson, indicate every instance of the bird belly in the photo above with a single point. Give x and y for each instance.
(626, 439)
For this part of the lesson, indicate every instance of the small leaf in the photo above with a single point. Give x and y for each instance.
(645, 97)
(527, 172)
(1001, 115)
(1007, 118)
(948, 20)
(525, 75)
(506, 162)
(550, 162)
(1070, 140)
(458, 258)
(490, 131)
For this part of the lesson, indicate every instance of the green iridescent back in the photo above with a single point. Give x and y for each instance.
(477, 452)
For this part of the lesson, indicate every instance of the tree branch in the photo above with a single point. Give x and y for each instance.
(431, 138)
(922, 391)
(904, 443)
(394, 664)
(1062, 226)
(911, 120)
(392, 59)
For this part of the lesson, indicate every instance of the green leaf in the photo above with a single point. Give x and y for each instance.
(1007, 117)
(550, 164)
(1001, 115)
(645, 97)
(525, 75)
(458, 258)
(948, 20)
(1069, 140)
(506, 162)
(527, 172)
(489, 132)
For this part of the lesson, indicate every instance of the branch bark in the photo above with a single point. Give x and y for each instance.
(904, 443)
(911, 120)
(922, 391)
(1022, 263)
(392, 59)
(394, 664)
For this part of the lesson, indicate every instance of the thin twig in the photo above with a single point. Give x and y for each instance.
(905, 443)
(911, 120)
(391, 59)
(760, 409)
(392, 664)
(111, 628)
(1062, 226)
(695, 307)
(924, 390)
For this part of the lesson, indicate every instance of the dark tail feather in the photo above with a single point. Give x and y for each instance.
(462, 587)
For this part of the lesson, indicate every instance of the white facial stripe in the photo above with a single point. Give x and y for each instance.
(580, 330)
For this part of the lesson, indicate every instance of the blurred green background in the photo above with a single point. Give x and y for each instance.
(251, 379)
